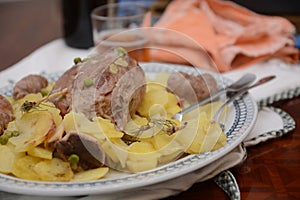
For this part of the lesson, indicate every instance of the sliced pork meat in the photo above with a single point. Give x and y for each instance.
(190, 87)
(6, 113)
(63, 102)
(29, 84)
(110, 85)
(85, 147)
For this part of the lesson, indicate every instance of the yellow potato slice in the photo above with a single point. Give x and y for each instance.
(53, 170)
(156, 94)
(172, 106)
(79, 123)
(99, 127)
(161, 140)
(23, 168)
(116, 150)
(44, 106)
(167, 146)
(198, 141)
(141, 147)
(40, 153)
(55, 135)
(214, 139)
(142, 156)
(50, 107)
(209, 136)
(7, 159)
(187, 135)
(90, 175)
(34, 128)
(18, 103)
(108, 128)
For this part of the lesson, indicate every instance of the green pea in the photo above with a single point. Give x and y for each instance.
(4, 139)
(113, 68)
(88, 82)
(122, 62)
(73, 159)
(121, 51)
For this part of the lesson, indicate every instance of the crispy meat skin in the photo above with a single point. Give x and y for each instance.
(190, 87)
(6, 113)
(29, 84)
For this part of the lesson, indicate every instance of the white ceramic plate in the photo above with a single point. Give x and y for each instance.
(240, 120)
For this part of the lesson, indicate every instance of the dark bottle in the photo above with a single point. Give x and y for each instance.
(77, 22)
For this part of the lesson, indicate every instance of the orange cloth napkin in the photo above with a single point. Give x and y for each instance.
(233, 36)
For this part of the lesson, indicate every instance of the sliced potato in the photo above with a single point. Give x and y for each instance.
(13, 149)
(55, 135)
(201, 132)
(209, 136)
(79, 123)
(108, 128)
(167, 147)
(172, 106)
(98, 128)
(116, 150)
(140, 121)
(7, 159)
(90, 175)
(53, 170)
(141, 147)
(135, 124)
(40, 153)
(18, 103)
(160, 140)
(156, 94)
(34, 128)
(214, 139)
(142, 156)
(187, 135)
(24, 168)
(157, 111)
(50, 107)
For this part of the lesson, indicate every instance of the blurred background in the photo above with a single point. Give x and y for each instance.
(21, 33)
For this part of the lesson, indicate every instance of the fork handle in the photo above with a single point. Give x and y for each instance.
(207, 99)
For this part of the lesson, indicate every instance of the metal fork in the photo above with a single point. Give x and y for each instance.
(233, 95)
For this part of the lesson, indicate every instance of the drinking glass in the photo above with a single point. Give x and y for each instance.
(120, 25)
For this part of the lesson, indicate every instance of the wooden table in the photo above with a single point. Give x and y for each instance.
(272, 169)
